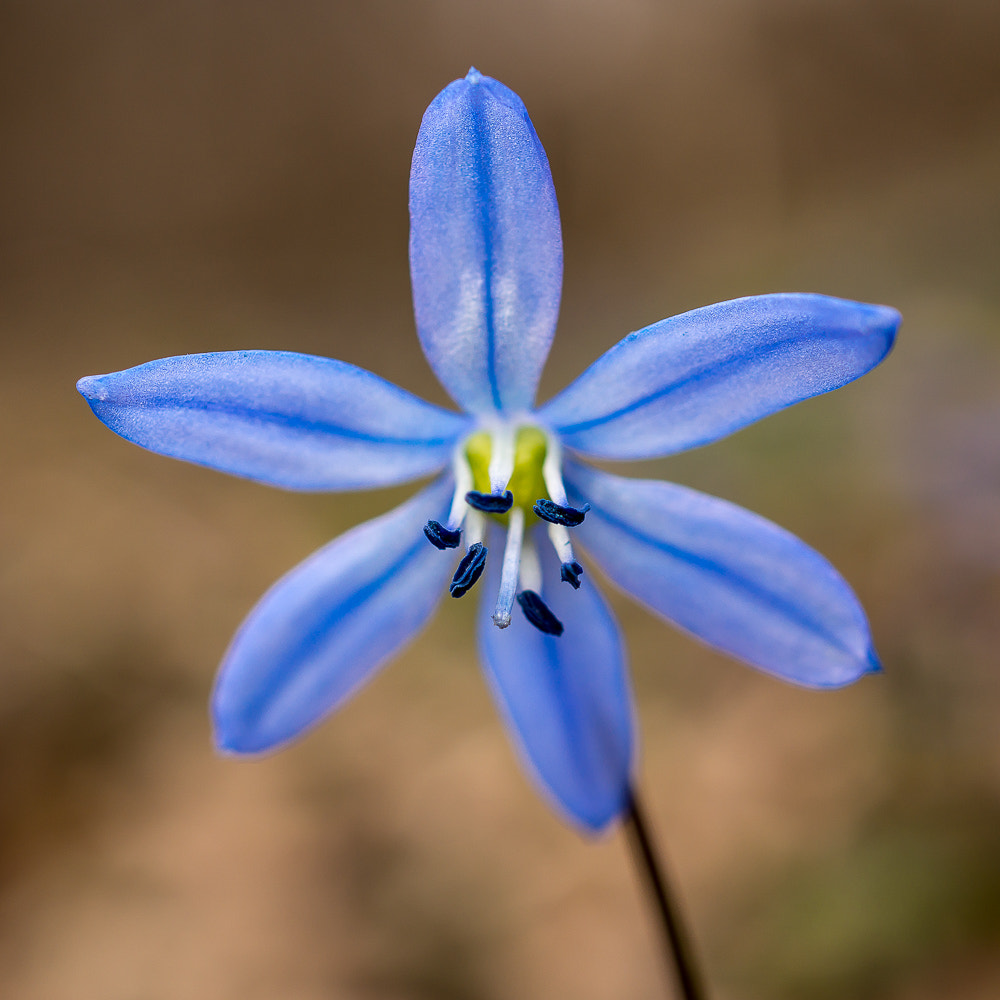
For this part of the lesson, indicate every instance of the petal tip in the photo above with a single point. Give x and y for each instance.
(225, 750)
(474, 76)
(874, 663)
(828, 681)
(891, 316)
(886, 320)
(234, 733)
(229, 745)
(233, 740)
(598, 822)
(92, 388)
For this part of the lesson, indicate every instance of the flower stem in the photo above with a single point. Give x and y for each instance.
(675, 942)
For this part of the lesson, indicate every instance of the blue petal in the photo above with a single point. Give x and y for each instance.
(727, 576)
(485, 245)
(291, 420)
(694, 378)
(565, 699)
(323, 629)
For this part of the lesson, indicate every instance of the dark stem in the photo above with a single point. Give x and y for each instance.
(674, 938)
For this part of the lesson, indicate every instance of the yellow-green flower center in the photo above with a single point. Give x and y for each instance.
(526, 481)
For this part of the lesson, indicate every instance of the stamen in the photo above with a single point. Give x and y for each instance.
(530, 574)
(556, 513)
(501, 458)
(463, 483)
(570, 572)
(449, 535)
(552, 471)
(559, 537)
(441, 537)
(511, 565)
(470, 569)
(475, 527)
(538, 613)
(490, 503)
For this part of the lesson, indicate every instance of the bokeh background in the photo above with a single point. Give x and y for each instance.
(201, 175)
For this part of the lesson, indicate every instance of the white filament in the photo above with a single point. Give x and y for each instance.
(531, 568)
(475, 527)
(463, 483)
(559, 537)
(501, 458)
(552, 471)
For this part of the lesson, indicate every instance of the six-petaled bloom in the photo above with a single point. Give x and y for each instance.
(512, 498)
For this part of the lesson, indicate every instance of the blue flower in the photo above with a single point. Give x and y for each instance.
(486, 264)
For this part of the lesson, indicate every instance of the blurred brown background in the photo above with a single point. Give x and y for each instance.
(204, 175)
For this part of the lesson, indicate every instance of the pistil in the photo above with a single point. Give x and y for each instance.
(511, 568)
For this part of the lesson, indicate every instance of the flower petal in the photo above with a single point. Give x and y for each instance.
(323, 629)
(731, 578)
(485, 245)
(565, 699)
(696, 377)
(291, 420)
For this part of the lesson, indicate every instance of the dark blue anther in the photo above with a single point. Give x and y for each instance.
(537, 612)
(441, 537)
(469, 569)
(570, 573)
(490, 503)
(555, 513)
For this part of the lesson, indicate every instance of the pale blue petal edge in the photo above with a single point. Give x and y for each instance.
(286, 419)
(696, 377)
(727, 576)
(565, 699)
(322, 630)
(485, 245)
